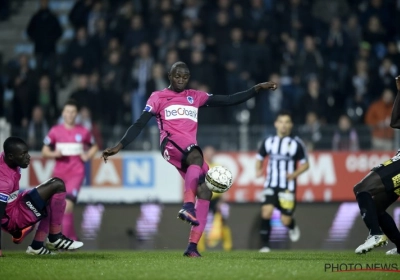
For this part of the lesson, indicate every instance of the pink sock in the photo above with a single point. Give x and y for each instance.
(68, 226)
(202, 207)
(191, 181)
(43, 228)
(57, 206)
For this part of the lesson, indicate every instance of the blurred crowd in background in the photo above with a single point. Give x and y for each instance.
(334, 60)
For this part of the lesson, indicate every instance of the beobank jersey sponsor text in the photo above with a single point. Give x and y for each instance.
(126, 177)
(331, 176)
(181, 112)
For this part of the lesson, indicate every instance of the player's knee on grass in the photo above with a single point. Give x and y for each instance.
(203, 192)
(266, 211)
(195, 158)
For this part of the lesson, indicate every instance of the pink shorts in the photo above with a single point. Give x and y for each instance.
(73, 184)
(25, 212)
(176, 155)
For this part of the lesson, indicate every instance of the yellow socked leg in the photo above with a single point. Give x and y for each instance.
(215, 234)
(201, 246)
(226, 238)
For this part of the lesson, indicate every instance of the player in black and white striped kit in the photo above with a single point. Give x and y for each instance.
(287, 160)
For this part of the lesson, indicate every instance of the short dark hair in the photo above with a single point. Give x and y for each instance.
(284, 113)
(179, 64)
(72, 102)
(10, 144)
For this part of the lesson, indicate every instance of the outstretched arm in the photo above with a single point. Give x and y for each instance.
(130, 135)
(395, 119)
(239, 97)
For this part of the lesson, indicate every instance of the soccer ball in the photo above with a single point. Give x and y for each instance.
(219, 179)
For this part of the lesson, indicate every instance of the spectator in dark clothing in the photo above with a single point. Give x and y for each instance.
(393, 53)
(234, 58)
(310, 61)
(310, 131)
(353, 32)
(22, 81)
(97, 95)
(379, 9)
(45, 97)
(290, 58)
(80, 57)
(202, 71)
(269, 105)
(356, 106)
(387, 72)
(158, 80)
(260, 56)
(135, 35)
(81, 95)
(99, 41)
(313, 101)
(167, 35)
(97, 12)
(295, 19)
(37, 129)
(113, 73)
(120, 22)
(44, 30)
(255, 19)
(219, 30)
(345, 137)
(79, 14)
(376, 36)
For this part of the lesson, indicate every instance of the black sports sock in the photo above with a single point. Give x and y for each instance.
(36, 245)
(265, 231)
(54, 237)
(292, 224)
(389, 228)
(368, 212)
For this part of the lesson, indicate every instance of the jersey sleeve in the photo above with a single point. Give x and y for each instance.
(6, 187)
(50, 139)
(152, 104)
(301, 153)
(89, 139)
(262, 151)
(202, 97)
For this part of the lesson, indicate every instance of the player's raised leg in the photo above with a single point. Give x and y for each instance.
(290, 223)
(52, 193)
(194, 171)
(369, 186)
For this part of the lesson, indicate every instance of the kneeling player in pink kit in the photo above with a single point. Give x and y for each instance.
(66, 144)
(20, 211)
(176, 110)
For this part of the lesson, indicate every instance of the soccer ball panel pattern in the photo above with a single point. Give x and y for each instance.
(219, 179)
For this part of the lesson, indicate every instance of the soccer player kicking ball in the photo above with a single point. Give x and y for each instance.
(176, 110)
(66, 144)
(19, 212)
(377, 191)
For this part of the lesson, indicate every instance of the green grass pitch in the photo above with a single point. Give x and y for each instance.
(154, 265)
